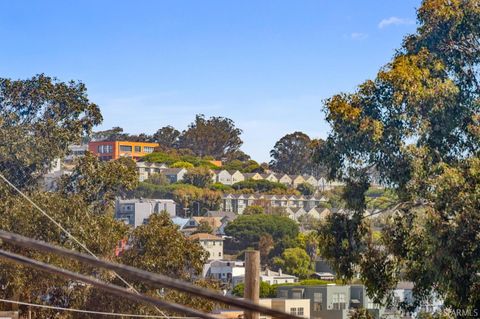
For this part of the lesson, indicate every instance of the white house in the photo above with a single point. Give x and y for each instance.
(211, 243)
(284, 179)
(270, 177)
(146, 169)
(224, 177)
(237, 176)
(174, 174)
(224, 270)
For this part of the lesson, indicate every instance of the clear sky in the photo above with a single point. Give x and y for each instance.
(265, 64)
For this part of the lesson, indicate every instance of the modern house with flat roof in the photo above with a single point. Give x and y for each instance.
(332, 301)
(108, 150)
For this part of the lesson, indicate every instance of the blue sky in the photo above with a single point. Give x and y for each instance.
(265, 64)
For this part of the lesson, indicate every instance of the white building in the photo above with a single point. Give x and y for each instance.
(136, 212)
(211, 243)
(146, 169)
(224, 270)
(271, 277)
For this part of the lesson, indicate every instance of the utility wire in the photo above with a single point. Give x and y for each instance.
(68, 233)
(114, 314)
(109, 288)
(156, 280)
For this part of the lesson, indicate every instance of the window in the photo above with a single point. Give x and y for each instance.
(138, 149)
(125, 148)
(128, 207)
(105, 149)
(339, 301)
(300, 311)
(219, 254)
(282, 294)
(148, 149)
(297, 295)
(293, 311)
(317, 301)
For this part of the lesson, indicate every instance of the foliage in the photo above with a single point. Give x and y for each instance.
(265, 246)
(261, 185)
(198, 176)
(99, 182)
(100, 233)
(294, 261)
(206, 199)
(158, 246)
(170, 157)
(204, 227)
(293, 154)
(39, 118)
(182, 164)
(167, 137)
(266, 290)
(360, 313)
(221, 187)
(247, 229)
(157, 179)
(249, 166)
(306, 189)
(216, 136)
(418, 124)
(254, 210)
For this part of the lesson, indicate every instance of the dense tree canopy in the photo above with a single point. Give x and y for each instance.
(294, 261)
(247, 229)
(198, 176)
(216, 136)
(167, 137)
(418, 124)
(100, 181)
(294, 154)
(39, 118)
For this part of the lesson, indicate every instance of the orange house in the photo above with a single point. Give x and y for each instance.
(108, 150)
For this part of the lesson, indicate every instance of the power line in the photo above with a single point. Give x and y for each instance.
(114, 314)
(112, 289)
(67, 233)
(156, 280)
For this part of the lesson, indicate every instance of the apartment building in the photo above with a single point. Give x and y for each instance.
(238, 202)
(108, 150)
(332, 301)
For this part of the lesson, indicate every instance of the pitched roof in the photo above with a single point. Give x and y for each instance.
(222, 214)
(172, 171)
(214, 222)
(204, 236)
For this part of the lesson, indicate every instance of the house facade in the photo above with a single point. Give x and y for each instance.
(332, 301)
(174, 174)
(211, 243)
(135, 212)
(146, 169)
(108, 150)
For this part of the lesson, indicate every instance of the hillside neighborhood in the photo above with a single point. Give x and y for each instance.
(313, 295)
(240, 159)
